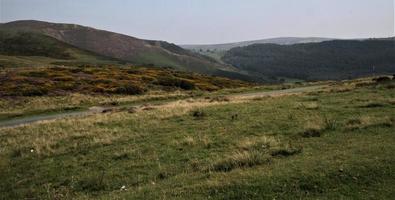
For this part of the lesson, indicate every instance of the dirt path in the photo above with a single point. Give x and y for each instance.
(278, 92)
(97, 109)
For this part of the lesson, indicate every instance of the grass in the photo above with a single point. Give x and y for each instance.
(14, 107)
(166, 153)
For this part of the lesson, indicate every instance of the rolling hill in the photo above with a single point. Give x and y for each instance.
(280, 40)
(20, 48)
(122, 47)
(37, 43)
(217, 51)
(337, 59)
(33, 64)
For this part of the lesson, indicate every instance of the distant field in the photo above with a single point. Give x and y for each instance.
(333, 143)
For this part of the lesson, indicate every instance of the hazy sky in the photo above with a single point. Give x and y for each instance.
(214, 21)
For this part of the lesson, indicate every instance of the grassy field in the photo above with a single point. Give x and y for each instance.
(334, 143)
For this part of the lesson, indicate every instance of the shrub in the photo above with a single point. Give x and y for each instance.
(38, 74)
(207, 87)
(77, 70)
(373, 105)
(176, 82)
(129, 89)
(186, 85)
(33, 91)
(198, 114)
(311, 133)
(390, 86)
(63, 78)
(66, 86)
(382, 79)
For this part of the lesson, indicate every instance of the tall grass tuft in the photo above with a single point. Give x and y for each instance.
(240, 160)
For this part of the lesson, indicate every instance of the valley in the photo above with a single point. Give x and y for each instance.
(97, 100)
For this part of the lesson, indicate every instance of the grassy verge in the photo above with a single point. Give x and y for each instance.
(28, 106)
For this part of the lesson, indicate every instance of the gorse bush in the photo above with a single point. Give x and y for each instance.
(129, 89)
(32, 91)
(128, 81)
(176, 82)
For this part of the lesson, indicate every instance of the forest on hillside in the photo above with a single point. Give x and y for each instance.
(337, 59)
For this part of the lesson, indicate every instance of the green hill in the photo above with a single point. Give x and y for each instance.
(31, 57)
(338, 59)
(123, 47)
(22, 48)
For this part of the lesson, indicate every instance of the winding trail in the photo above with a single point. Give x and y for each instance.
(15, 122)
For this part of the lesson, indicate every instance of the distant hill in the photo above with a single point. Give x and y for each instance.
(122, 47)
(280, 40)
(36, 43)
(338, 59)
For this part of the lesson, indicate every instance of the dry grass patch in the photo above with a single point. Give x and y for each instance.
(22, 105)
(368, 121)
(308, 106)
(183, 107)
(240, 159)
(316, 125)
(188, 141)
(261, 98)
(341, 89)
(258, 143)
(52, 137)
(198, 140)
(255, 151)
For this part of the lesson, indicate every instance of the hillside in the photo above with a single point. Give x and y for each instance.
(21, 48)
(280, 40)
(123, 47)
(338, 59)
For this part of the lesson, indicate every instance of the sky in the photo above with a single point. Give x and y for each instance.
(214, 21)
